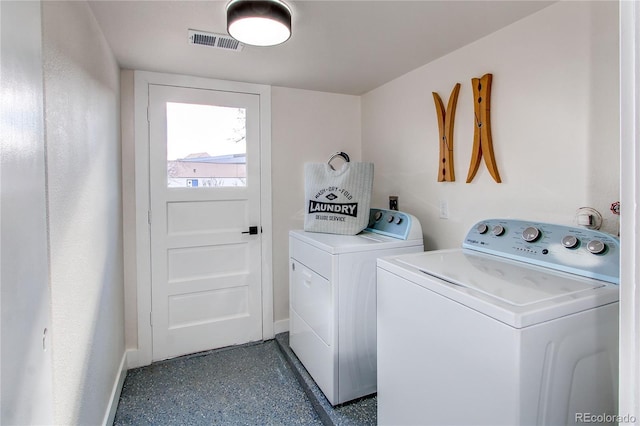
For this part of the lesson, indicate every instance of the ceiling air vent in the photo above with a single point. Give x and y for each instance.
(218, 41)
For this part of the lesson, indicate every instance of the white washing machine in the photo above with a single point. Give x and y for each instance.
(519, 327)
(332, 314)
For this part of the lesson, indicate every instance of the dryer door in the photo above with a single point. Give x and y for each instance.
(311, 299)
(311, 334)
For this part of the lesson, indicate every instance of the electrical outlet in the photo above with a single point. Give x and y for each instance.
(444, 210)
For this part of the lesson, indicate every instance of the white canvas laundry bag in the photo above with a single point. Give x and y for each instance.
(337, 200)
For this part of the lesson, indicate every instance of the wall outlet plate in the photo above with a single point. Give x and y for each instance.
(444, 209)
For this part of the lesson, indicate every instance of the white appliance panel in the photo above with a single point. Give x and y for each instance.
(312, 296)
(470, 337)
(423, 365)
(337, 244)
(487, 283)
(333, 303)
(318, 358)
(512, 282)
(356, 286)
(455, 364)
(314, 258)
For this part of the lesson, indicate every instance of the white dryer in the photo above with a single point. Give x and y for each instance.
(519, 327)
(332, 312)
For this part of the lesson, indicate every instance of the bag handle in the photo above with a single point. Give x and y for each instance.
(344, 155)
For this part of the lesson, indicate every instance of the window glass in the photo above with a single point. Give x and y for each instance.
(206, 146)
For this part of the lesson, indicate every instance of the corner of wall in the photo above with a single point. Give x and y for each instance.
(112, 407)
(127, 138)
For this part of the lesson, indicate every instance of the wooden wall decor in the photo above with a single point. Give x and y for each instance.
(482, 142)
(446, 119)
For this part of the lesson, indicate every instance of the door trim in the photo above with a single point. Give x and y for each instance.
(142, 80)
(629, 372)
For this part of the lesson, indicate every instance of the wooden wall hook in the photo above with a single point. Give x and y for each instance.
(446, 120)
(482, 141)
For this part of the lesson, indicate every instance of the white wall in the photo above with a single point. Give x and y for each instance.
(26, 394)
(127, 122)
(81, 80)
(554, 115)
(555, 147)
(307, 126)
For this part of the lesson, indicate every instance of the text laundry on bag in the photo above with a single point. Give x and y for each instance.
(350, 209)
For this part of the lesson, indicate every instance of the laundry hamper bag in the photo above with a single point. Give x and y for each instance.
(337, 200)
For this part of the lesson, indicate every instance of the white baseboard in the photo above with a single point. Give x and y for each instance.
(281, 326)
(110, 414)
(133, 355)
(133, 358)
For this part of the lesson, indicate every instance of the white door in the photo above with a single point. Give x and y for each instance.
(204, 172)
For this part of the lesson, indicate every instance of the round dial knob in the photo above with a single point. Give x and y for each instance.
(497, 230)
(398, 220)
(390, 219)
(378, 216)
(570, 241)
(531, 234)
(596, 246)
(482, 228)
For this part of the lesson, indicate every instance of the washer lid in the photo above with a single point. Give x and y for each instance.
(508, 281)
(512, 292)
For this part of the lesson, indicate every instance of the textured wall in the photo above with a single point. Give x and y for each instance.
(26, 394)
(85, 211)
(557, 148)
(307, 126)
(554, 112)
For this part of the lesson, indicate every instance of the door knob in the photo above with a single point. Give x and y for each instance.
(253, 230)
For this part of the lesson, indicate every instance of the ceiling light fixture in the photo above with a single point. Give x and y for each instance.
(259, 22)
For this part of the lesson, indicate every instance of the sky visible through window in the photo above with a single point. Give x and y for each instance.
(194, 129)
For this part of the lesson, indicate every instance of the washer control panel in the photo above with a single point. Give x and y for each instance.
(580, 251)
(393, 223)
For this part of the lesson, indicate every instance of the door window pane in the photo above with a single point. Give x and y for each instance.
(206, 146)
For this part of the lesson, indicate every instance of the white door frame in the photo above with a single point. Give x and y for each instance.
(142, 79)
(629, 391)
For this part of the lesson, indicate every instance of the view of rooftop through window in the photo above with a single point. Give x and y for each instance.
(206, 146)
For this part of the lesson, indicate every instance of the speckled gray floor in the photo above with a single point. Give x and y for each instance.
(361, 412)
(245, 385)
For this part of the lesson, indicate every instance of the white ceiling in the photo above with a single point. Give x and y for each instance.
(348, 47)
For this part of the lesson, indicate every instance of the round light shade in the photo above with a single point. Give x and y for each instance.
(259, 23)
